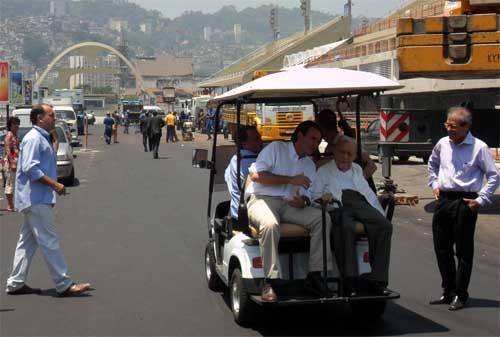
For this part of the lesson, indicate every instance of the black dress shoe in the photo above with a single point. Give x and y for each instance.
(315, 285)
(378, 289)
(25, 290)
(456, 304)
(444, 299)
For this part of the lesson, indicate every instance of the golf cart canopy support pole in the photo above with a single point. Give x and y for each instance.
(212, 171)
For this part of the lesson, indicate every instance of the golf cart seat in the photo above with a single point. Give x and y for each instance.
(287, 230)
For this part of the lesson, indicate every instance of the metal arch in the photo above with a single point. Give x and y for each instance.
(58, 58)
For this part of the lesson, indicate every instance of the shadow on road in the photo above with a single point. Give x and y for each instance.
(6, 310)
(53, 293)
(482, 303)
(493, 209)
(337, 320)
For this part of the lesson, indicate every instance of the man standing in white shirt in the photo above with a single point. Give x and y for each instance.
(282, 178)
(343, 180)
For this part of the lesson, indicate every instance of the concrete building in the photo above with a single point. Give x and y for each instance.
(58, 8)
(95, 78)
(166, 71)
(117, 25)
(237, 33)
(207, 33)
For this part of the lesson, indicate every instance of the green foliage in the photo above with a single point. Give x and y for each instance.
(34, 49)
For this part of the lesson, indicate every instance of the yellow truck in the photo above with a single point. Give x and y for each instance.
(273, 121)
(463, 43)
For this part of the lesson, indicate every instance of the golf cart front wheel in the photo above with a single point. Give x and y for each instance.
(368, 311)
(213, 280)
(244, 310)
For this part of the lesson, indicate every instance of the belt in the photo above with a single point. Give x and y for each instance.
(457, 194)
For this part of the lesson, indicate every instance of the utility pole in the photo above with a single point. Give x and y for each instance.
(348, 13)
(305, 6)
(274, 22)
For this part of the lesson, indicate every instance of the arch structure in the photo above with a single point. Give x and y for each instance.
(138, 76)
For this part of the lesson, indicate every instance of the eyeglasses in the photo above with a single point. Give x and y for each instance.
(453, 126)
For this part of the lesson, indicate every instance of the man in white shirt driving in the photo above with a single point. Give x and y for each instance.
(282, 178)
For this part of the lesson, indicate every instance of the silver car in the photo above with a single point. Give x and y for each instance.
(65, 158)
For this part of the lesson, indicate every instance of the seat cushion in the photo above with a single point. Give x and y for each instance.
(287, 230)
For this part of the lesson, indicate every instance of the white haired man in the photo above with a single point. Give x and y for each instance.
(457, 167)
(343, 180)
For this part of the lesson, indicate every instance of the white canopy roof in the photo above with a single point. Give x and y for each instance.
(309, 83)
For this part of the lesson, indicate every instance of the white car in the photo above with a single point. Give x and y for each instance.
(66, 113)
(65, 158)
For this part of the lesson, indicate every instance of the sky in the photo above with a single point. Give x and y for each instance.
(174, 8)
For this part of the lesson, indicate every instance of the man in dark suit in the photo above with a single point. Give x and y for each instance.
(155, 126)
(146, 137)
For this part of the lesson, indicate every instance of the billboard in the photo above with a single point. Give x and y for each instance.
(28, 92)
(4, 82)
(16, 87)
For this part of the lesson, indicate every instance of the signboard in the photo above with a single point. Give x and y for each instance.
(4, 82)
(16, 87)
(28, 92)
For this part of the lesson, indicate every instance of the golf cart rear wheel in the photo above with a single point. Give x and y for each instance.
(368, 311)
(213, 280)
(244, 310)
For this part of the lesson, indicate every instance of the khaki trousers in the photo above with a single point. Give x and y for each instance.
(265, 213)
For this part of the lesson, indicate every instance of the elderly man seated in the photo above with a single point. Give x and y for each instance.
(343, 180)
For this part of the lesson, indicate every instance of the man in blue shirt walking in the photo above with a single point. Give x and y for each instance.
(108, 127)
(35, 197)
(457, 167)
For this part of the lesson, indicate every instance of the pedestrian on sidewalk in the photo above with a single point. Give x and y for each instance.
(145, 131)
(457, 166)
(11, 149)
(126, 123)
(210, 122)
(108, 127)
(35, 197)
(170, 121)
(156, 125)
(114, 127)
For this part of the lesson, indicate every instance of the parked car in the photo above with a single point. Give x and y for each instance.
(65, 127)
(371, 138)
(66, 113)
(24, 116)
(65, 158)
(90, 118)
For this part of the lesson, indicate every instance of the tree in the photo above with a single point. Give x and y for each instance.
(34, 48)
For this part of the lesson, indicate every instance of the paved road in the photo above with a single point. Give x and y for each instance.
(136, 228)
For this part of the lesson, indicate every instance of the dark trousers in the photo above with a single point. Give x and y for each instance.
(156, 144)
(146, 141)
(171, 133)
(454, 223)
(378, 230)
(107, 135)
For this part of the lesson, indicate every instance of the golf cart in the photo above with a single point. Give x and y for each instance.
(233, 259)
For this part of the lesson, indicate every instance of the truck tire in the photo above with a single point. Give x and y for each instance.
(213, 280)
(244, 310)
(403, 158)
(368, 311)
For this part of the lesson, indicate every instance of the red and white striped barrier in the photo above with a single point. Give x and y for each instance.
(394, 126)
